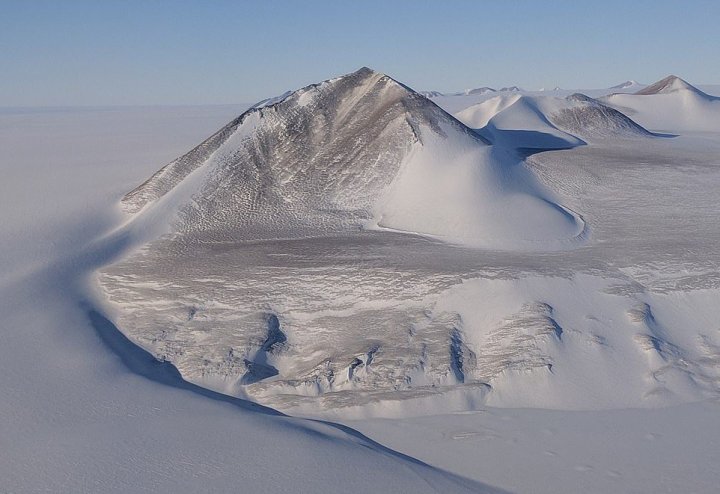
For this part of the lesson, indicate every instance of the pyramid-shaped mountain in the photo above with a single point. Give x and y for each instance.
(359, 151)
(671, 84)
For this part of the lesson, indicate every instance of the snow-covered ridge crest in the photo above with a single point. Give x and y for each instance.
(358, 151)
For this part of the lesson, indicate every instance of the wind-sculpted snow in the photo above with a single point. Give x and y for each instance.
(352, 247)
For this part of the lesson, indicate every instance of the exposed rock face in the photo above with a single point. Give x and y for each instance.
(318, 158)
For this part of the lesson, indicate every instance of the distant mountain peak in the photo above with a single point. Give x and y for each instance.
(626, 84)
(480, 90)
(431, 94)
(366, 71)
(510, 88)
(669, 84)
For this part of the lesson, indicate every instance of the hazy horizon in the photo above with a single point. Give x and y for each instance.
(82, 53)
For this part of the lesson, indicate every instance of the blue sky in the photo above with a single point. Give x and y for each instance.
(106, 52)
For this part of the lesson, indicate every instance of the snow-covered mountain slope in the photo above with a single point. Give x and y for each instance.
(360, 160)
(385, 323)
(670, 105)
(359, 151)
(589, 118)
(75, 416)
(83, 409)
(285, 279)
(518, 122)
(544, 122)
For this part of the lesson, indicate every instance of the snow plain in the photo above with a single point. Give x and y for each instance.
(619, 336)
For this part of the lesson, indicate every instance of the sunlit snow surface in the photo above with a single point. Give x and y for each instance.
(354, 247)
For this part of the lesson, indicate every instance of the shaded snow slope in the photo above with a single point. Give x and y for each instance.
(543, 122)
(670, 105)
(357, 151)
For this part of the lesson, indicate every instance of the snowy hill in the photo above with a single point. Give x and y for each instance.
(670, 105)
(88, 411)
(589, 118)
(543, 122)
(456, 102)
